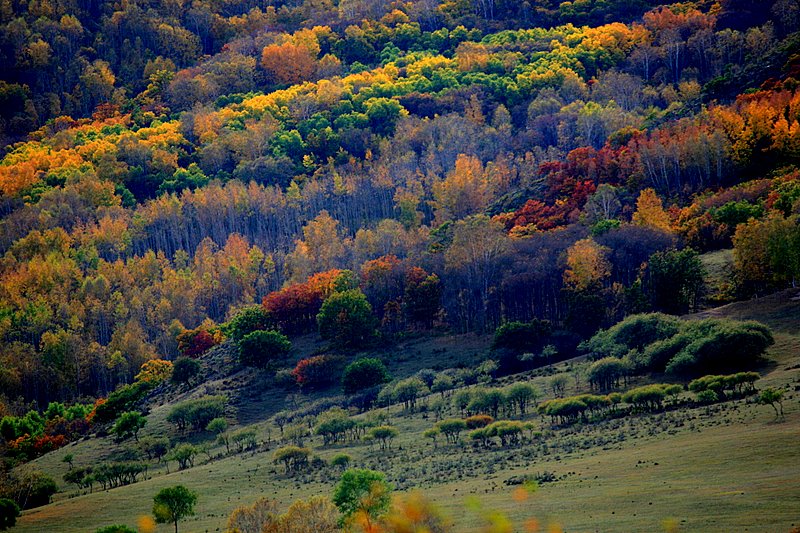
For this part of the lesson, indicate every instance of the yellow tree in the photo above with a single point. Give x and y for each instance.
(465, 191)
(650, 211)
(587, 265)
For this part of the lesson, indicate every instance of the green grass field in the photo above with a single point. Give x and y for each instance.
(727, 467)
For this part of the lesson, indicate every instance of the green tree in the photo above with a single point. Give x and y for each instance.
(294, 458)
(173, 504)
(361, 490)
(346, 319)
(520, 396)
(383, 434)
(68, 458)
(9, 511)
(363, 374)
(184, 370)
(451, 428)
(128, 425)
(774, 398)
(247, 320)
(219, 427)
(260, 348)
(676, 280)
(184, 454)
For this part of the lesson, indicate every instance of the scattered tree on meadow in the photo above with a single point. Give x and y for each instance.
(363, 492)
(128, 425)
(773, 398)
(173, 504)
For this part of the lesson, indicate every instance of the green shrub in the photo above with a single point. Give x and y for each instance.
(184, 370)
(260, 348)
(363, 374)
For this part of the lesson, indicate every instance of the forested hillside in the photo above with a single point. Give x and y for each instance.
(181, 175)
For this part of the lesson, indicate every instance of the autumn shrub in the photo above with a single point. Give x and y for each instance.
(195, 342)
(316, 371)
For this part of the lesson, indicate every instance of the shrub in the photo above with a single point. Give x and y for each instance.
(634, 333)
(727, 345)
(9, 511)
(185, 370)
(260, 348)
(341, 460)
(707, 396)
(195, 342)
(156, 371)
(125, 398)
(315, 371)
(363, 374)
(478, 421)
(197, 413)
(117, 528)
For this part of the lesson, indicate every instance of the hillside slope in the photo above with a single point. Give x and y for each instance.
(727, 467)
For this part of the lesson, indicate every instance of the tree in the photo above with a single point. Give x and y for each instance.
(218, 426)
(587, 266)
(128, 425)
(774, 398)
(363, 374)
(9, 511)
(288, 63)
(155, 370)
(384, 434)
(606, 373)
(247, 320)
(260, 348)
(451, 428)
(362, 491)
(294, 458)
(184, 370)
(676, 280)
(173, 504)
(558, 385)
(346, 318)
(650, 211)
(68, 458)
(520, 395)
(184, 454)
